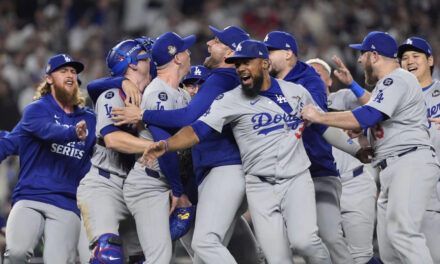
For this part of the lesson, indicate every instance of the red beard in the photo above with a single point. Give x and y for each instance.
(65, 96)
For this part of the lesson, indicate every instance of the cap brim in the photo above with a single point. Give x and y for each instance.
(188, 42)
(232, 59)
(78, 66)
(406, 47)
(357, 46)
(215, 31)
(271, 46)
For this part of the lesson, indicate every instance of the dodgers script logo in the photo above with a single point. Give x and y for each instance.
(266, 123)
(433, 111)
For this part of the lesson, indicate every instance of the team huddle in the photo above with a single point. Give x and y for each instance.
(174, 153)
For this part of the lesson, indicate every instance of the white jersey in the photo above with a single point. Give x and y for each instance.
(105, 158)
(399, 96)
(161, 96)
(269, 139)
(432, 100)
(342, 100)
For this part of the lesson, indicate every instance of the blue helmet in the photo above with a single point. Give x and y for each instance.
(126, 53)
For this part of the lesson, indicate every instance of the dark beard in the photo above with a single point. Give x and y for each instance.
(252, 92)
(66, 97)
(273, 73)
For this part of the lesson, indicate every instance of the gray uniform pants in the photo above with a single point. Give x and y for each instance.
(284, 215)
(328, 193)
(29, 220)
(220, 195)
(147, 199)
(358, 211)
(406, 186)
(104, 209)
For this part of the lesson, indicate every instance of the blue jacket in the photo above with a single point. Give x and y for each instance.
(317, 148)
(52, 160)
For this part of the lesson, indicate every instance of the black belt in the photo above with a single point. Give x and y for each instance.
(100, 141)
(383, 163)
(358, 171)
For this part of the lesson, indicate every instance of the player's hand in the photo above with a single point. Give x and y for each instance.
(365, 154)
(153, 152)
(131, 114)
(132, 92)
(342, 73)
(310, 114)
(173, 203)
(355, 133)
(435, 120)
(81, 130)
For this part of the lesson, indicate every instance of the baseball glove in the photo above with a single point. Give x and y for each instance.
(180, 221)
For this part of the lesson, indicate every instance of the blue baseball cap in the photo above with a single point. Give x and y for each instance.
(126, 53)
(198, 73)
(281, 40)
(230, 36)
(63, 59)
(381, 42)
(168, 45)
(415, 43)
(249, 49)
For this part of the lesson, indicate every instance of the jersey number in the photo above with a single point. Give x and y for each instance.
(300, 131)
(377, 131)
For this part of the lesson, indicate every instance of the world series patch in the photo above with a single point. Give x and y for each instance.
(109, 95)
(387, 81)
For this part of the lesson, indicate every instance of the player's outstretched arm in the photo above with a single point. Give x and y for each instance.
(97, 87)
(185, 138)
(344, 120)
(344, 76)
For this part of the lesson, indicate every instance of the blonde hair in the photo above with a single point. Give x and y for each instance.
(44, 88)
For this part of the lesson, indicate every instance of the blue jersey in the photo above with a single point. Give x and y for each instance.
(317, 148)
(218, 149)
(52, 159)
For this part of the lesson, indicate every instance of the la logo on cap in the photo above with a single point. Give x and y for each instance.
(266, 38)
(197, 71)
(409, 41)
(239, 47)
(172, 50)
(66, 59)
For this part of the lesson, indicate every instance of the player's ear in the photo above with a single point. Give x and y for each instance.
(289, 54)
(49, 79)
(265, 64)
(132, 66)
(430, 61)
(229, 53)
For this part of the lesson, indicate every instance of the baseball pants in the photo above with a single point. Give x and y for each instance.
(358, 211)
(406, 186)
(328, 193)
(147, 198)
(284, 215)
(29, 220)
(220, 196)
(431, 224)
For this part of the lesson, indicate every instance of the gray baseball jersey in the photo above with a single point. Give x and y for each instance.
(146, 191)
(269, 139)
(399, 96)
(342, 100)
(432, 100)
(105, 158)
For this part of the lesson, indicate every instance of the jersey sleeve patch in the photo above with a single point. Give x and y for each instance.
(163, 96)
(109, 94)
(219, 97)
(388, 81)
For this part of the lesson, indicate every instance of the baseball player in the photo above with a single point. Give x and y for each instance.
(196, 77)
(217, 162)
(268, 133)
(147, 191)
(283, 51)
(100, 196)
(358, 198)
(398, 132)
(56, 138)
(415, 56)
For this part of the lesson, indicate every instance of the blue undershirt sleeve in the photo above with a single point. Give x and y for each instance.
(202, 130)
(169, 162)
(9, 144)
(368, 116)
(97, 87)
(183, 116)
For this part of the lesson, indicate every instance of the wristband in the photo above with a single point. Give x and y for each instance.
(166, 145)
(357, 89)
